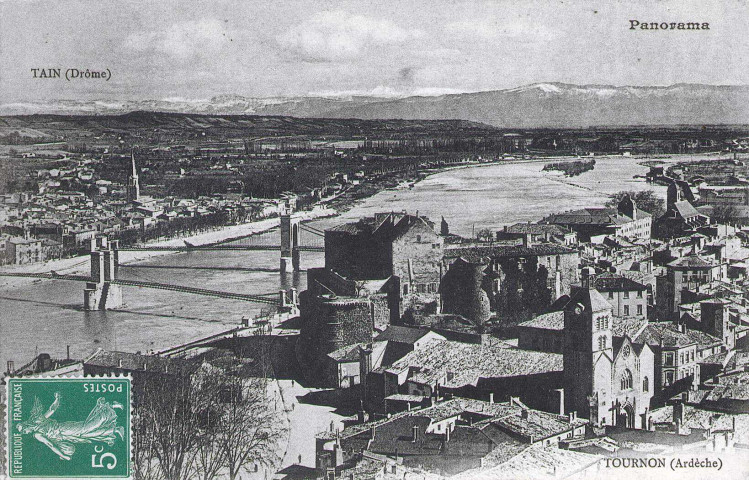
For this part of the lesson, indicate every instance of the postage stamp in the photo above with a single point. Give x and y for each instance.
(69, 427)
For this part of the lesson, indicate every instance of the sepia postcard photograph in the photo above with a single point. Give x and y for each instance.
(374, 239)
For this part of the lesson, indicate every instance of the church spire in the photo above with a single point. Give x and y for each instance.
(133, 184)
(133, 171)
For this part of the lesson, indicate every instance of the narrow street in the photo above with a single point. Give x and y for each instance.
(306, 421)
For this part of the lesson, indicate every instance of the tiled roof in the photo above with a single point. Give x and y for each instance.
(629, 326)
(349, 353)
(137, 362)
(669, 333)
(458, 364)
(544, 463)
(477, 252)
(590, 298)
(686, 209)
(402, 334)
(609, 282)
(692, 261)
(547, 321)
(535, 229)
(592, 216)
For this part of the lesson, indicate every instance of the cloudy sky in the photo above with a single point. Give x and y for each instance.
(195, 50)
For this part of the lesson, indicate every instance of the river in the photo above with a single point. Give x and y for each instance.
(47, 316)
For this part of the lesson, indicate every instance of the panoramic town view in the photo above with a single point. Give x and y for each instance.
(327, 251)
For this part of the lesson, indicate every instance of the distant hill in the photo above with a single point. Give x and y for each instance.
(184, 125)
(555, 105)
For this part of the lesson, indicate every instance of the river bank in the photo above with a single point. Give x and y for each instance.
(80, 265)
(342, 203)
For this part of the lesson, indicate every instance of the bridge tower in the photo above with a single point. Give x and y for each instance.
(100, 293)
(289, 240)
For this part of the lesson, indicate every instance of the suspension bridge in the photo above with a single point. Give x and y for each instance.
(104, 291)
(290, 245)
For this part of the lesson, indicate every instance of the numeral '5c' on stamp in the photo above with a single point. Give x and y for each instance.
(69, 427)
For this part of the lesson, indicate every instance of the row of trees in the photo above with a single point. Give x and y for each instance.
(181, 226)
(208, 425)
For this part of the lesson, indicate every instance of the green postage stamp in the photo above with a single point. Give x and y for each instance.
(68, 427)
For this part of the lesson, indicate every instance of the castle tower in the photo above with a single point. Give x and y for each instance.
(133, 184)
(588, 354)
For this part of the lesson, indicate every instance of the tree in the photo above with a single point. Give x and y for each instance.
(724, 213)
(169, 422)
(645, 200)
(215, 420)
(484, 235)
(209, 457)
(250, 426)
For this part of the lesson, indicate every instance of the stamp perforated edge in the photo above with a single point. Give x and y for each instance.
(5, 473)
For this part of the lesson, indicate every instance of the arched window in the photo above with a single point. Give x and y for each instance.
(645, 384)
(601, 342)
(626, 380)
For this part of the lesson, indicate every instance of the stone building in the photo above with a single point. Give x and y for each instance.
(24, 250)
(681, 217)
(608, 381)
(376, 270)
(389, 245)
(626, 296)
(518, 281)
(468, 370)
(544, 333)
(677, 351)
(626, 220)
(530, 233)
(687, 273)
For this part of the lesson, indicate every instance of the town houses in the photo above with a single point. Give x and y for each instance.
(543, 328)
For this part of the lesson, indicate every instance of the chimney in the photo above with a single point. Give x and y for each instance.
(571, 417)
(414, 433)
(561, 400)
(585, 277)
(526, 240)
(678, 416)
(491, 398)
(11, 367)
(119, 363)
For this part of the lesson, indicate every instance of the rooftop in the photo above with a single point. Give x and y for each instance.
(692, 261)
(592, 216)
(668, 333)
(137, 362)
(456, 364)
(547, 321)
(477, 252)
(610, 282)
(402, 334)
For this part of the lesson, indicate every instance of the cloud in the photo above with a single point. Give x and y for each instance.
(340, 36)
(182, 41)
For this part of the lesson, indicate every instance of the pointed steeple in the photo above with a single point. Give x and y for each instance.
(133, 184)
(133, 171)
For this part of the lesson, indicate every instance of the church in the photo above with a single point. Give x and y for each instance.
(608, 380)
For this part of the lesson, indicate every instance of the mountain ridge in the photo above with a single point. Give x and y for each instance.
(537, 105)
